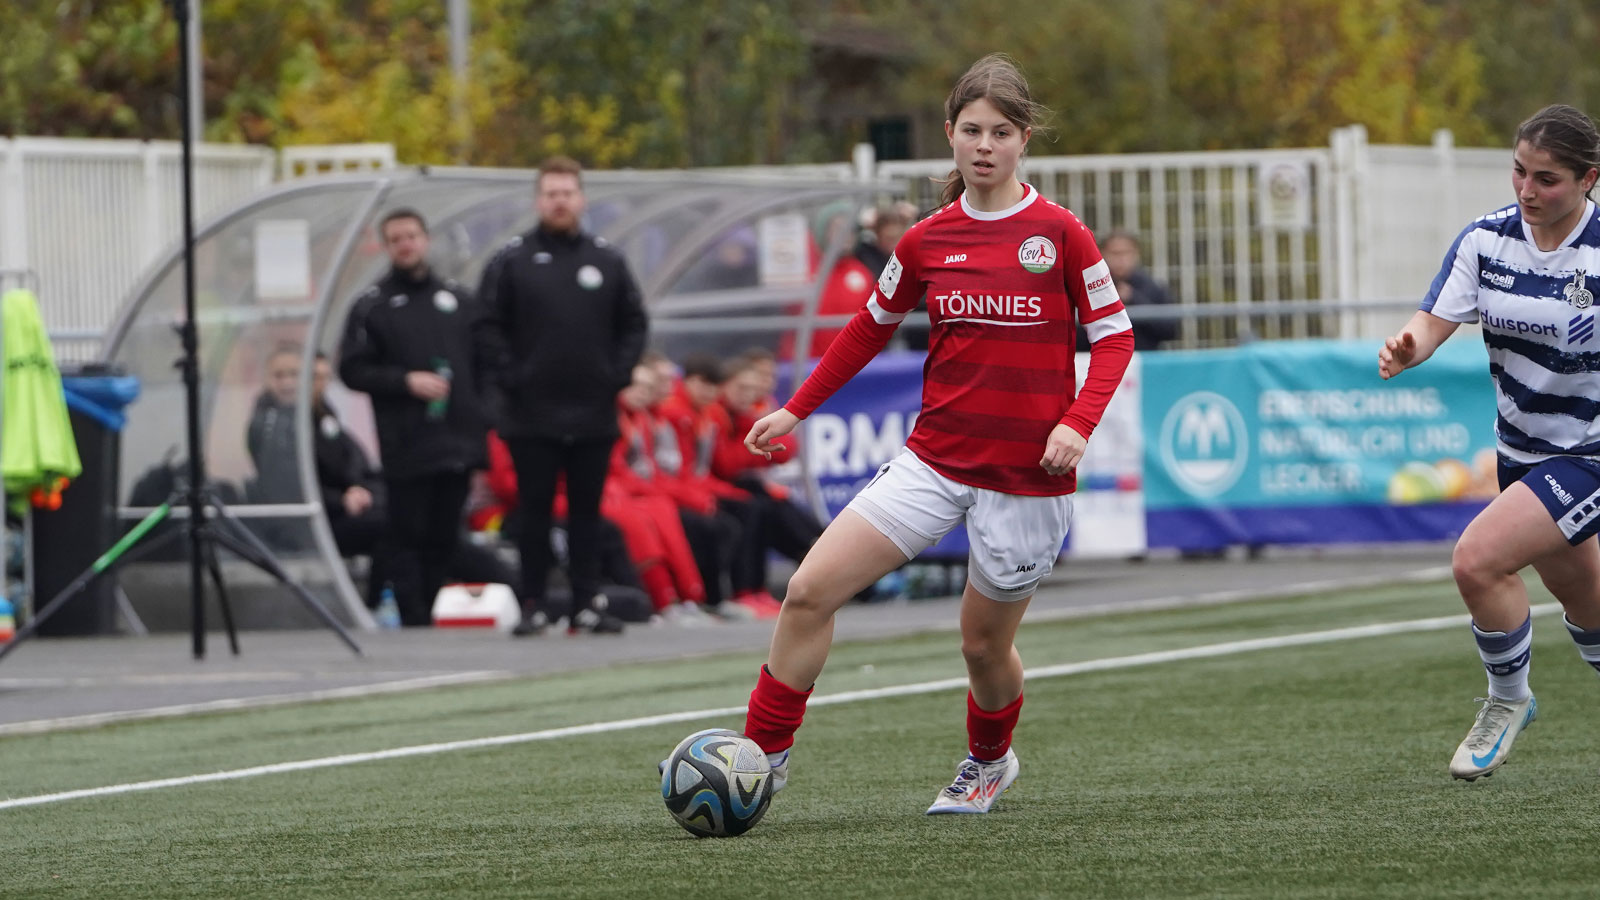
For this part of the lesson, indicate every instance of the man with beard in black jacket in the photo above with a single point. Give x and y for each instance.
(409, 342)
(567, 324)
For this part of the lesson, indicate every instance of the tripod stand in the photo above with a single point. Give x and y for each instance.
(209, 524)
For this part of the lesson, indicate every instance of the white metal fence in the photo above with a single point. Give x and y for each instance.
(1250, 243)
(87, 217)
(1205, 231)
(1400, 210)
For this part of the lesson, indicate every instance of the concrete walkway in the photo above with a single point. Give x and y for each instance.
(54, 683)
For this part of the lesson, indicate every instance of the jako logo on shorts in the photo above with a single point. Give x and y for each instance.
(1204, 443)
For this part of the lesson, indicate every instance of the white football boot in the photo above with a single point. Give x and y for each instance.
(1489, 742)
(780, 772)
(977, 785)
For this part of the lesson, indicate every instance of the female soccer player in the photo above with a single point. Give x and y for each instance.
(1007, 275)
(1525, 273)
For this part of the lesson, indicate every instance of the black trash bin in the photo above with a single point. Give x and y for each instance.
(68, 540)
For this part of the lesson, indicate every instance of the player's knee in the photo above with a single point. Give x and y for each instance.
(984, 651)
(1473, 563)
(806, 594)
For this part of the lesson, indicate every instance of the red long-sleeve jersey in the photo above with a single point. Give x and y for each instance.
(1005, 292)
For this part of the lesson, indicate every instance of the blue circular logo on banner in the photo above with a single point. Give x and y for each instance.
(1204, 443)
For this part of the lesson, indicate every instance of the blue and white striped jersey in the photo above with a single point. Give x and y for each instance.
(1538, 326)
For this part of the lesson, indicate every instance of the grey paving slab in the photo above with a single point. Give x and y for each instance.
(51, 679)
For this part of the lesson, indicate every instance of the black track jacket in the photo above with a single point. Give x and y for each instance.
(402, 325)
(564, 324)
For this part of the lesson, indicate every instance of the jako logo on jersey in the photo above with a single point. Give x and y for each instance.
(1026, 568)
(1204, 444)
(1558, 490)
(954, 258)
(1580, 330)
(1517, 326)
(1037, 254)
(960, 305)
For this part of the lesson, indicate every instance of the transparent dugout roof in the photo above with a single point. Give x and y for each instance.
(725, 261)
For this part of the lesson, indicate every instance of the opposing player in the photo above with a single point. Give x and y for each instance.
(1007, 275)
(1526, 273)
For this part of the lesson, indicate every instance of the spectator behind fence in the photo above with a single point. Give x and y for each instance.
(567, 324)
(889, 222)
(1136, 287)
(409, 342)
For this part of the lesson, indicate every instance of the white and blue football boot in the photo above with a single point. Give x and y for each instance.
(780, 771)
(1489, 742)
(977, 785)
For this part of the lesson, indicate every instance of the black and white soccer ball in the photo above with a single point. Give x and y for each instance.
(717, 783)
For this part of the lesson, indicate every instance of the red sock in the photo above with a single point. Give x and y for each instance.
(775, 713)
(989, 733)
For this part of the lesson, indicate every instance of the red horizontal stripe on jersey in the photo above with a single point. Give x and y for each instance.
(1008, 379)
(1010, 476)
(987, 427)
(1053, 331)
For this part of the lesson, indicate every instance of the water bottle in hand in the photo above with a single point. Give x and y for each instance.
(438, 408)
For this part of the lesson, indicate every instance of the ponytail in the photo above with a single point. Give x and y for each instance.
(954, 184)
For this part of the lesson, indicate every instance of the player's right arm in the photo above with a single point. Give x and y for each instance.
(1451, 300)
(895, 296)
(1414, 343)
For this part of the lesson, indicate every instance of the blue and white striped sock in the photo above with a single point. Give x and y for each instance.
(1588, 643)
(1506, 658)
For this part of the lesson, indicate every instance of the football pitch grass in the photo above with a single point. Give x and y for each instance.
(1311, 770)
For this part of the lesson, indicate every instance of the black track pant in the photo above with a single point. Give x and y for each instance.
(538, 462)
(423, 527)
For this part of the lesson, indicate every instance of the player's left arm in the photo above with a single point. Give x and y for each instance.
(1095, 303)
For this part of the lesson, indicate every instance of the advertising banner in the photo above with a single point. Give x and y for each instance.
(1302, 442)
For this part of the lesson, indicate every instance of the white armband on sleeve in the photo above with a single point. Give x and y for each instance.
(883, 316)
(1113, 324)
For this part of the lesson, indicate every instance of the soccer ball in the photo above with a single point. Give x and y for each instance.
(717, 783)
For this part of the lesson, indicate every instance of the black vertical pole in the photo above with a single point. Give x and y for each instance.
(190, 363)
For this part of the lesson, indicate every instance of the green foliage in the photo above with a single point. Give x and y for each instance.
(78, 68)
(711, 82)
(659, 82)
(1179, 75)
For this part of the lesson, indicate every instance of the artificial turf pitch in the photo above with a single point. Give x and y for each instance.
(1314, 771)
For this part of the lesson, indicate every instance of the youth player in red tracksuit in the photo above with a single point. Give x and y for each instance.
(1008, 276)
(701, 425)
(645, 493)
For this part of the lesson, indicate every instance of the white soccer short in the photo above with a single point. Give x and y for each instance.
(1015, 539)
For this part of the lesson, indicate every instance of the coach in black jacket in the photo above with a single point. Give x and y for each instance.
(566, 322)
(409, 342)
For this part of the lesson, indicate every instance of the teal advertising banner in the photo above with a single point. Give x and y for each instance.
(1302, 442)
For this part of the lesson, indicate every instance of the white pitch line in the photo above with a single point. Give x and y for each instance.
(1040, 613)
(1203, 651)
(233, 704)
